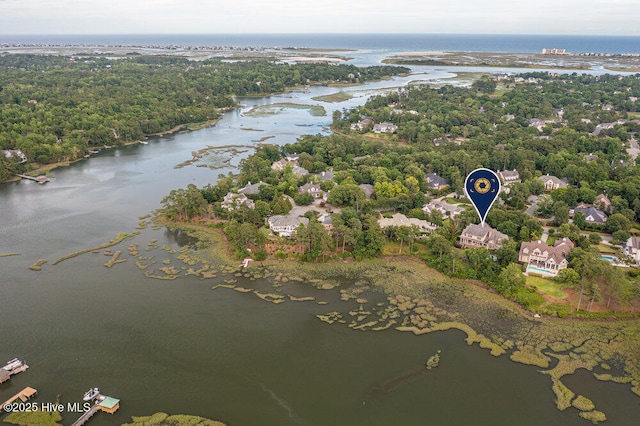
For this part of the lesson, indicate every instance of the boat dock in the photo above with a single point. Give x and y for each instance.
(103, 403)
(40, 179)
(14, 366)
(23, 396)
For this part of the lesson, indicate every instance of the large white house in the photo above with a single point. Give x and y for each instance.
(233, 201)
(285, 226)
(632, 248)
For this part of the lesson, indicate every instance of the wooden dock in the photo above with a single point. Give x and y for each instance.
(40, 179)
(14, 366)
(87, 415)
(23, 396)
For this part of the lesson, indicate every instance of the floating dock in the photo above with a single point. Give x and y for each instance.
(23, 396)
(14, 366)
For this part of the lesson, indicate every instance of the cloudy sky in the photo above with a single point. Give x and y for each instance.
(597, 17)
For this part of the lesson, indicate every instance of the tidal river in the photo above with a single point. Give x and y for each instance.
(179, 347)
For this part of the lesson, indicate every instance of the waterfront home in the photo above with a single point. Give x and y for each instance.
(436, 182)
(509, 176)
(385, 128)
(399, 219)
(285, 226)
(481, 236)
(311, 188)
(446, 209)
(591, 214)
(362, 124)
(251, 189)
(283, 162)
(552, 182)
(233, 201)
(15, 155)
(544, 259)
(632, 249)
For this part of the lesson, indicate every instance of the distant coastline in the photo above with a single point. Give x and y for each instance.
(399, 42)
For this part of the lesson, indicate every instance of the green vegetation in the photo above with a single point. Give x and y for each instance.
(549, 287)
(174, 420)
(334, 97)
(58, 108)
(34, 418)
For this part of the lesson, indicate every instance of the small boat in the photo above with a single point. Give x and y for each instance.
(143, 142)
(91, 394)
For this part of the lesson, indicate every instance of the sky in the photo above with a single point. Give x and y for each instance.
(588, 17)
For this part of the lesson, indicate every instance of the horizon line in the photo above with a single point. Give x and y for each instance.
(319, 34)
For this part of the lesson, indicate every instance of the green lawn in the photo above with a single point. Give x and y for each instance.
(548, 287)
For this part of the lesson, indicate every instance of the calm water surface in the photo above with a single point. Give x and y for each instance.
(177, 346)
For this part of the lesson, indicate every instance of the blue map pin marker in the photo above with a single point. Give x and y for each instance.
(482, 187)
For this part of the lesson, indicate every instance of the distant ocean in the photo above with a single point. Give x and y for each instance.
(391, 42)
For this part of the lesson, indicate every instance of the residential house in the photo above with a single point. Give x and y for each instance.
(436, 182)
(537, 123)
(543, 259)
(362, 124)
(282, 163)
(481, 236)
(443, 207)
(509, 176)
(233, 201)
(15, 155)
(591, 214)
(385, 128)
(312, 188)
(367, 189)
(399, 219)
(603, 126)
(632, 249)
(326, 221)
(300, 171)
(251, 189)
(602, 202)
(608, 107)
(328, 175)
(552, 182)
(285, 226)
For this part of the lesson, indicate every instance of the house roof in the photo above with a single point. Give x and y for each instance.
(484, 232)
(300, 171)
(309, 187)
(558, 252)
(251, 189)
(442, 205)
(435, 181)
(507, 175)
(367, 189)
(288, 220)
(554, 179)
(399, 219)
(109, 402)
(597, 215)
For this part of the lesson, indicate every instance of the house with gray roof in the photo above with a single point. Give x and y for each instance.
(285, 226)
(233, 201)
(328, 175)
(311, 188)
(367, 189)
(436, 182)
(551, 182)
(475, 235)
(399, 219)
(543, 259)
(446, 209)
(537, 123)
(251, 189)
(602, 202)
(509, 176)
(385, 128)
(591, 214)
(300, 171)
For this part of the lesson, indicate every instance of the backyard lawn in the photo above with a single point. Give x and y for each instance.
(548, 287)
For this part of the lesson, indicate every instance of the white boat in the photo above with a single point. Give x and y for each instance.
(14, 364)
(143, 142)
(91, 394)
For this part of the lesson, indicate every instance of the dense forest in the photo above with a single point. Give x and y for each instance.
(56, 108)
(451, 131)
